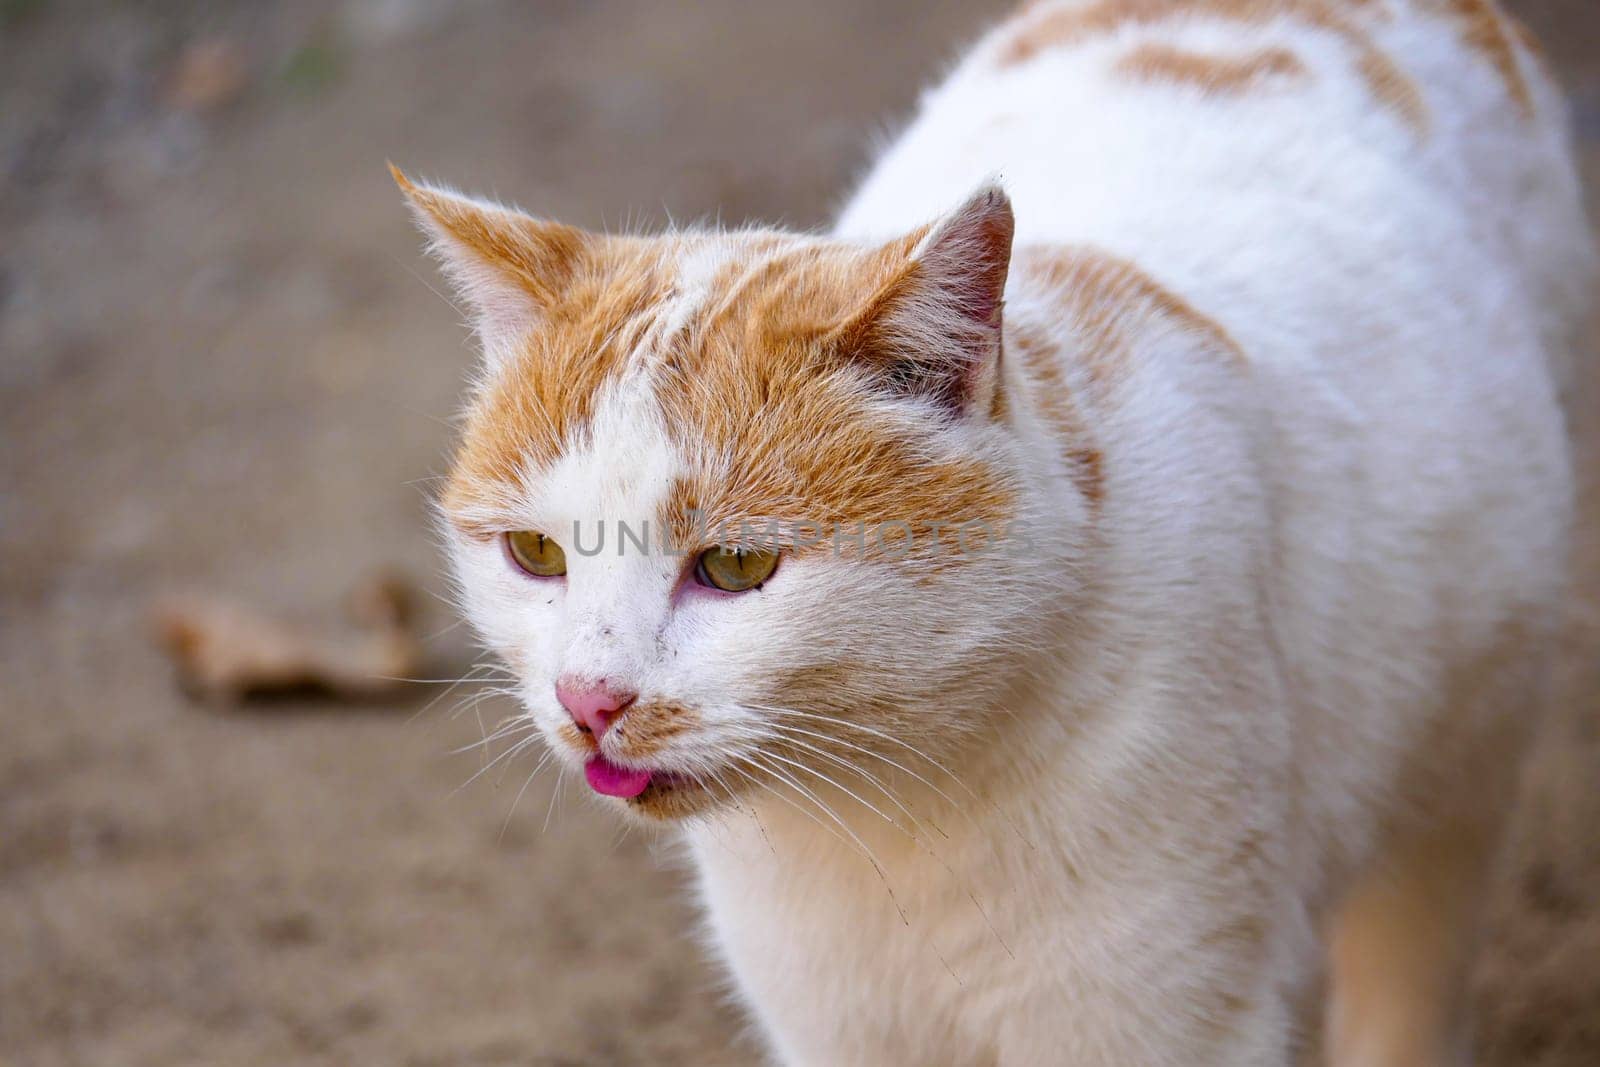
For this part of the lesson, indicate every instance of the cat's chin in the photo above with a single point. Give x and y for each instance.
(671, 797)
(655, 795)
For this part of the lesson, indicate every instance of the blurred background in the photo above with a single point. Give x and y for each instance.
(223, 370)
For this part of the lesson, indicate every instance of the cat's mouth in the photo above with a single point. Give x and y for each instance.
(658, 793)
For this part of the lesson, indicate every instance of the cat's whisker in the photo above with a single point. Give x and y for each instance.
(511, 751)
(924, 845)
(469, 676)
(474, 673)
(468, 704)
(446, 601)
(555, 794)
(865, 775)
(767, 788)
(754, 814)
(716, 779)
(867, 730)
(478, 715)
(432, 289)
(866, 853)
(474, 703)
(507, 727)
(537, 767)
(487, 688)
(890, 738)
(846, 790)
(827, 810)
(617, 838)
(430, 638)
(983, 912)
(789, 732)
(512, 726)
(471, 700)
(762, 827)
(516, 748)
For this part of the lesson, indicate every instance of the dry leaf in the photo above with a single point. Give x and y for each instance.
(227, 650)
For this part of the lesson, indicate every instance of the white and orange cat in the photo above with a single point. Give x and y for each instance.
(1087, 608)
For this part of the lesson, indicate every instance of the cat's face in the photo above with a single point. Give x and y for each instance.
(831, 411)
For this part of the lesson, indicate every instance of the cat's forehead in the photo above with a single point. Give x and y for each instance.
(692, 374)
(622, 465)
(655, 329)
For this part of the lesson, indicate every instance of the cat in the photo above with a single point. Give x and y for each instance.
(1086, 608)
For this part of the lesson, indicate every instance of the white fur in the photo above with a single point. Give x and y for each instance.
(1144, 762)
(1300, 563)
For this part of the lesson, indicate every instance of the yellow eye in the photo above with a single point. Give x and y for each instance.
(734, 570)
(536, 553)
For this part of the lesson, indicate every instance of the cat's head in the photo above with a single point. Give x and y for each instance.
(738, 506)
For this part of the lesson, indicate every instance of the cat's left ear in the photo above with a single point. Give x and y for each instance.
(934, 330)
(508, 267)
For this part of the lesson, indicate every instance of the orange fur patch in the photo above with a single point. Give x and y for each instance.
(587, 333)
(1527, 38)
(1102, 296)
(1039, 357)
(769, 393)
(646, 729)
(540, 256)
(1219, 75)
(1486, 31)
(1102, 299)
(1042, 28)
(760, 385)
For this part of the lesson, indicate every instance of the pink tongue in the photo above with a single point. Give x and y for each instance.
(606, 777)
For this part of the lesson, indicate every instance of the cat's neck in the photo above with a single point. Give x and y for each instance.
(910, 804)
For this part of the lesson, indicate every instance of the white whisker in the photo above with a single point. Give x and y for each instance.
(555, 794)
(788, 736)
(871, 857)
(537, 767)
(513, 750)
(891, 739)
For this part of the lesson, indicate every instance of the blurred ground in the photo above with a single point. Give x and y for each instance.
(220, 367)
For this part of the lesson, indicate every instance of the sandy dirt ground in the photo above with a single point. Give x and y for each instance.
(221, 367)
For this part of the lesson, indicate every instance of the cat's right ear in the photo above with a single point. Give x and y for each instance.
(509, 268)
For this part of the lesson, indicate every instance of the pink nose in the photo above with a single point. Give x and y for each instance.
(593, 705)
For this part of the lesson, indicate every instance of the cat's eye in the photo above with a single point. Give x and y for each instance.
(535, 553)
(734, 570)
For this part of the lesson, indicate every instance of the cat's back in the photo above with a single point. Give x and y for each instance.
(1375, 199)
(1076, 93)
(1375, 202)
(1263, 150)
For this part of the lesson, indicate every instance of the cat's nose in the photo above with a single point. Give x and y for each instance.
(593, 704)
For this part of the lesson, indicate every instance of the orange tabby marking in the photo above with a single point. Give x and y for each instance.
(1103, 294)
(1484, 30)
(764, 384)
(1040, 357)
(759, 377)
(586, 335)
(1223, 75)
(1054, 27)
(1102, 297)
(648, 727)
